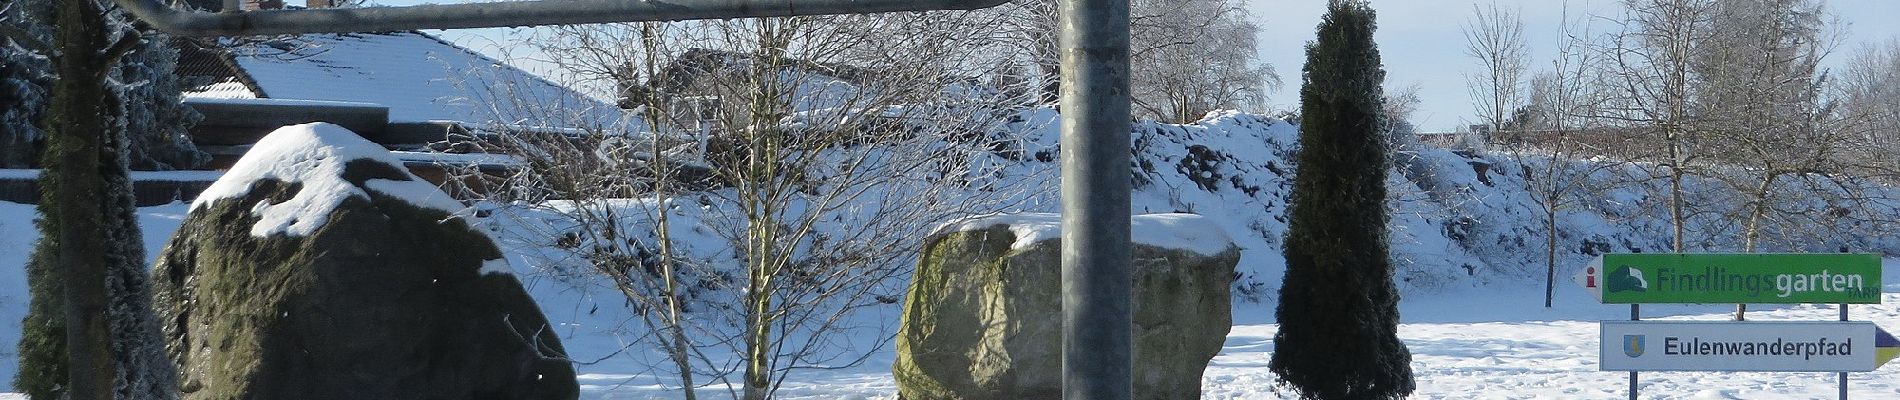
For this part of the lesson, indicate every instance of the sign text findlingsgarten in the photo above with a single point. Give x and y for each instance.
(1734, 278)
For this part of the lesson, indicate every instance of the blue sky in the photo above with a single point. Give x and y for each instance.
(1422, 42)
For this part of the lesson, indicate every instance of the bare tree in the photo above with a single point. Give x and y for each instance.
(1188, 57)
(1759, 90)
(1647, 65)
(1495, 38)
(1195, 56)
(1557, 165)
(802, 154)
(1869, 90)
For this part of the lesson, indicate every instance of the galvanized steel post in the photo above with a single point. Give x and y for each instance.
(1097, 328)
(1844, 373)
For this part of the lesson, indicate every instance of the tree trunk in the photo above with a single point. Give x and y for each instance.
(1751, 231)
(678, 347)
(758, 338)
(1676, 219)
(78, 125)
(1550, 249)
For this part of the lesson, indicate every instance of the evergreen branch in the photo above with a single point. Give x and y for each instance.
(119, 48)
(25, 39)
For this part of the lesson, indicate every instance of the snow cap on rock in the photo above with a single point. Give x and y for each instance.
(1182, 231)
(315, 156)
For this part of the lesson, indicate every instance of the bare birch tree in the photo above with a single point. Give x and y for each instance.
(1760, 93)
(802, 156)
(1494, 37)
(1647, 64)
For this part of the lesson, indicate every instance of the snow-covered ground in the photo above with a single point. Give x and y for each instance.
(1467, 245)
(1490, 342)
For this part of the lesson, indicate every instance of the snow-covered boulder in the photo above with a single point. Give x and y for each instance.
(983, 317)
(319, 268)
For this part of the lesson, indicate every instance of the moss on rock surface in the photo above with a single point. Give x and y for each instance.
(386, 300)
(983, 320)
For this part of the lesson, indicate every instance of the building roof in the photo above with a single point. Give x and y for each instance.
(418, 76)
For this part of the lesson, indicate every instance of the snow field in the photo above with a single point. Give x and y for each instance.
(1466, 246)
(1494, 342)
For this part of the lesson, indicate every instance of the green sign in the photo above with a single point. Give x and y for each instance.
(1759, 278)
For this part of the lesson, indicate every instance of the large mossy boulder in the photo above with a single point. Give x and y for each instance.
(983, 317)
(319, 268)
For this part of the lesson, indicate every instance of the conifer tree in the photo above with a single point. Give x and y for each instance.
(157, 122)
(90, 332)
(23, 82)
(1338, 310)
(153, 115)
(24, 86)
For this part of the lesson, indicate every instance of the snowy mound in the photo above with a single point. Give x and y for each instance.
(1189, 232)
(314, 155)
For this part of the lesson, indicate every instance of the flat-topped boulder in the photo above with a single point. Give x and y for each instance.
(319, 268)
(983, 316)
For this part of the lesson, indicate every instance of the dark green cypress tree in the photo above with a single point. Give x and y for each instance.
(1338, 310)
(90, 332)
(23, 82)
(42, 347)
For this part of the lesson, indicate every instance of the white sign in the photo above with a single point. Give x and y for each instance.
(1790, 346)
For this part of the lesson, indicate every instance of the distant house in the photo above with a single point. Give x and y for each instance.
(416, 94)
(696, 87)
(419, 78)
(410, 91)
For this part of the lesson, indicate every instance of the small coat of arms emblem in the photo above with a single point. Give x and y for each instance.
(1633, 345)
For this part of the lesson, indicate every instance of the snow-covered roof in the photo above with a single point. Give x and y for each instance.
(418, 76)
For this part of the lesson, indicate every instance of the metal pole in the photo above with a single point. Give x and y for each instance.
(1843, 373)
(503, 14)
(1636, 314)
(1097, 328)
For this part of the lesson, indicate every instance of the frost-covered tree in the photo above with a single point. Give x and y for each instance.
(1338, 310)
(1870, 92)
(1189, 57)
(1759, 94)
(90, 263)
(156, 120)
(153, 113)
(1648, 65)
(23, 81)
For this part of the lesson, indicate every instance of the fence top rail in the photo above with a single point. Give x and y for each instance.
(504, 14)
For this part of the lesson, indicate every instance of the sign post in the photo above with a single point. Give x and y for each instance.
(1760, 278)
